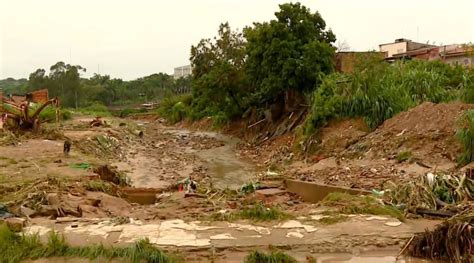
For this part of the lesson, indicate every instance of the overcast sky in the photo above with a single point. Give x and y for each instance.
(130, 39)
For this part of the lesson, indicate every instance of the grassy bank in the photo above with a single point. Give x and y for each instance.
(17, 248)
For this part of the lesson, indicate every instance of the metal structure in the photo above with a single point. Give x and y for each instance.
(23, 110)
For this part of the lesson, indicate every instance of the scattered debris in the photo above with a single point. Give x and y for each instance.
(439, 194)
(110, 174)
(249, 187)
(452, 240)
(4, 213)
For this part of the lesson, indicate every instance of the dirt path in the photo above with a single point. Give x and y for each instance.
(168, 155)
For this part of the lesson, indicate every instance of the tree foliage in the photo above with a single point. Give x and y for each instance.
(290, 52)
(218, 75)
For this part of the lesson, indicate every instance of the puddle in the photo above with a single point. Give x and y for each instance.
(227, 170)
(143, 196)
(313, 192)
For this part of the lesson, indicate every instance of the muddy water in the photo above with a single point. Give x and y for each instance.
(226, 169)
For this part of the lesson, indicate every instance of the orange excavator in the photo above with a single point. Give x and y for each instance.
(23, 110)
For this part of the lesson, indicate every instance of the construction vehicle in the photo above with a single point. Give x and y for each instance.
(23, 111)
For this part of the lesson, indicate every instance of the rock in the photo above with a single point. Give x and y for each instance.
(270, 192)
(47, 210)
(53, 199)
(91, 211)
(15, 224)
(26, 211)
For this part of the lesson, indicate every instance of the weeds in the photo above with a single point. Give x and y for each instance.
(403, 156)
(16, 248)
(49, 114)
(255, 212)
(98, 186)
(333, 219)
(175, 108)
(259, 212)
(352, 204)
(377, 91)
(272, 257)
(96, 110)
(465, 135)
(422, 192)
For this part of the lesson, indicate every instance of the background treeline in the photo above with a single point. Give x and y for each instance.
(65, 81)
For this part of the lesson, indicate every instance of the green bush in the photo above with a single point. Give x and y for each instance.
(272, 257)
(48, 114)
(95, 109)
(377, 91)
(175, 108)
(465, 135)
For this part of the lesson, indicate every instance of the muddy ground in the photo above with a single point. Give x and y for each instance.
(66, 193)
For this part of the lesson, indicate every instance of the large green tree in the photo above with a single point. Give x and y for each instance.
(290, 52)
(218, 74)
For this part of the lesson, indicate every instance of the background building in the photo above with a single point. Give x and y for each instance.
(183, 71)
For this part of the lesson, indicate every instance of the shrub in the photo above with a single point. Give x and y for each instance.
(465, 135)
(274, 257)
(175, 108)
(48, 114)
(95, 109)
(377, 91)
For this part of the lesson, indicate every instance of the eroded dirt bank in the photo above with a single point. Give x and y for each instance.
(65, 193)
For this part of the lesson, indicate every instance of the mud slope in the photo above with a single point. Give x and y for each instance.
(426, 131)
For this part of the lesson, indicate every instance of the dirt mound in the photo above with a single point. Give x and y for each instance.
(339, 134)
(426, 132)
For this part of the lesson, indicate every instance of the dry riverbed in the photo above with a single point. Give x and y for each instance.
(66, 194)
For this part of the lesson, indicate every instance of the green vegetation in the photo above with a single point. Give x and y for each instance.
(465, 135)
(175, 108)
(236, 72)
(377, 90)
(272, 257)
(288, 54)
(98, 186)
(332, 219)
(64, 81)
(259, 212)
(16, 248)
(353, 204)
(49, 114)
(403, 156)
(95, 109)
(255, 212)
(430, 191)
(130, 111)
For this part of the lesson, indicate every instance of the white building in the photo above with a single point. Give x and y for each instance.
(181, 72)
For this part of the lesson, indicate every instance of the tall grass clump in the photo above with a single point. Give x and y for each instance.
(95, 109)
(465, 135)
(48, 114)
(17, 248)
(175, 108)
(377, 90)
(272, 257)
